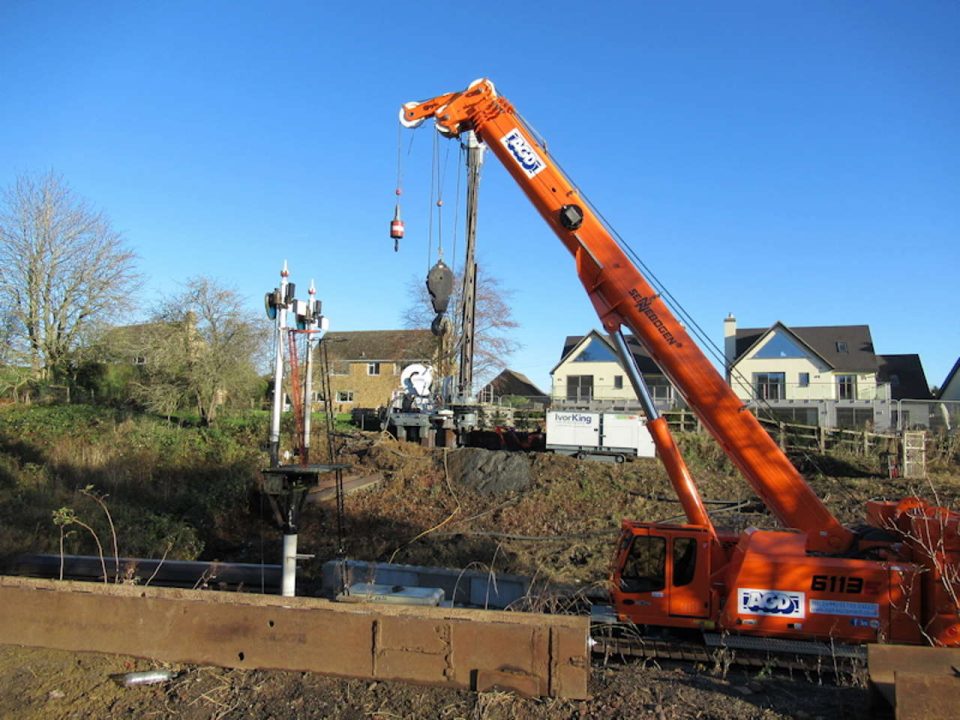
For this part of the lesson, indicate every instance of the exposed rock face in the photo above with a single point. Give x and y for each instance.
(489, 472)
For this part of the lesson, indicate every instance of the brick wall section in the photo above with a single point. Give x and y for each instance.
(369, 391)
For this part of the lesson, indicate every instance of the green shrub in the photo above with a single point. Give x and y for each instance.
(165, 484)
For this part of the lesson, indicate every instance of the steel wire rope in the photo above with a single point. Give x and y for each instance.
(453, 260)
(456, 211)
(529, 538)
(433, 181)
(399, 189)
(441, 180)
(710, 346)
(428, 531)
(726, 506)
(400, 157)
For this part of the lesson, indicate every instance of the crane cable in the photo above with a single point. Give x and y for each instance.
(441, 181)
(396, 227)
(711, 348)
(399, 190)
(433, 181)
(457, 308)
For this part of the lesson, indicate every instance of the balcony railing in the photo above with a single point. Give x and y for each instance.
(813, 390)
(610, 396)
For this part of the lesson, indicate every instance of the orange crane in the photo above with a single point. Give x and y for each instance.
(897, 579)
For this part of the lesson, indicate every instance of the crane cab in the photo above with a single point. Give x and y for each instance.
(662, 575)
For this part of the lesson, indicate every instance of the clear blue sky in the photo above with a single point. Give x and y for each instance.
(793, 161)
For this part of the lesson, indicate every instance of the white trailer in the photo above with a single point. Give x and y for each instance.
(598, 435)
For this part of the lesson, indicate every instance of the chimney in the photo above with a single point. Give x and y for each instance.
(729, 343)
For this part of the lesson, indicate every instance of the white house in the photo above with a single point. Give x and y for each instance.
(824, 375)
(590, 374)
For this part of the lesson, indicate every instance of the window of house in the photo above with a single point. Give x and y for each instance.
(854, 418)
(846, 387)
(618, 382)
(796, 415)
(345, 396)
(842, 346)
(373, 368)
(770, 386)
(659, 387)
(580, 387)
(596, 351)
(780, 346)
(804, 380)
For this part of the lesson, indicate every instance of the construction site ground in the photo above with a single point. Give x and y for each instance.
(549, 517)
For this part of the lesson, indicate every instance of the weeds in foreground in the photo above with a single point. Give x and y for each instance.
(64, 518)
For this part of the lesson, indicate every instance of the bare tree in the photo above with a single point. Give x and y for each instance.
(200, 351)
(493, 345)
(62, 266)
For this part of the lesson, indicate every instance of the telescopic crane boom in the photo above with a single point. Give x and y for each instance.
(897, 579)
(622, 296)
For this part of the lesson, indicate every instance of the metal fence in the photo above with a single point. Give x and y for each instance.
(826, 423)
(934, 415)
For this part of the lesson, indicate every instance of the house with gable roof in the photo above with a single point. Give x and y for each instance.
(950, 390)
(589, 374)
(365, 365)
(822, 375)
(512, 384)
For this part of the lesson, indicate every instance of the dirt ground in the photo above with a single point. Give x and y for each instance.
(38, 684)
(558, 523)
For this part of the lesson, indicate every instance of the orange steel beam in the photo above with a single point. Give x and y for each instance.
(622, 296)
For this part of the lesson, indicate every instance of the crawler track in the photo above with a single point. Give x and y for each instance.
(614, 643)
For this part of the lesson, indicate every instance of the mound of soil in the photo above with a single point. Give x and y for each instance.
(489, 472)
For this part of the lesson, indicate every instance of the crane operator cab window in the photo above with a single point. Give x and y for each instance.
(645, 567)
(684, 560)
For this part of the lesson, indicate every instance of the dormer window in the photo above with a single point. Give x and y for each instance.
(842, 346)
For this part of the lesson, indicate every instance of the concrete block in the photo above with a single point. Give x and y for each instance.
(473, 587)
(885, 661)
(522, 683)
(926, 697)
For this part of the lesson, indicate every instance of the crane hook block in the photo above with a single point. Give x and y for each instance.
(440, 285)
(440, 325)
